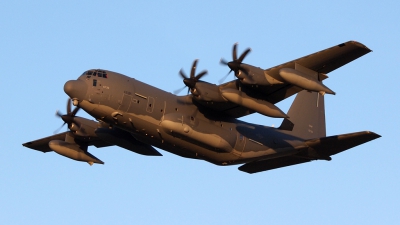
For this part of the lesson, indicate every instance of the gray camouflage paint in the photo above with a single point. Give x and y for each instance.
(204, 125)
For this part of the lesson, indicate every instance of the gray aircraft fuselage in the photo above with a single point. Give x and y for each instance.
(175, 123)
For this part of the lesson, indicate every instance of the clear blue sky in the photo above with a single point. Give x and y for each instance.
(45, 43)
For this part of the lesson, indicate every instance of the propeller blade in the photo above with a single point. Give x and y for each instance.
(75, 111)
(58, 130)
(223, 62)
(190, 81)
(200, 75)
(235, 64)
(68, 118)
(58, 113)
(68, 106)
(234, 55)
(244, 55)
(223, 79)
(183, 75)
(179, 90)
(192, 72)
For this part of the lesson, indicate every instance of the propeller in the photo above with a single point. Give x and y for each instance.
(191, 81)
(69, 117)
(235, 64)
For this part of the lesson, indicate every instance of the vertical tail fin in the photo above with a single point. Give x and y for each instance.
(306, 116)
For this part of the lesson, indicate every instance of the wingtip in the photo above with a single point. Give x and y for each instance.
(359, 44)
(373, 134)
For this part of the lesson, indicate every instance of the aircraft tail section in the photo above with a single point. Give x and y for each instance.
(306, 116)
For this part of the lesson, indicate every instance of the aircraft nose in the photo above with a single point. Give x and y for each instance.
(75, 89)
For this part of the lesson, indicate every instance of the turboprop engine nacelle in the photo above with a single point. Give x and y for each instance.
(255, 76)
(304, 80)
(204, 91)
(257, 105)
(87, 127)
(73, 151)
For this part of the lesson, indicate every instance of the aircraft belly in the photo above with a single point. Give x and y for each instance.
(189, 149)
(181, 135)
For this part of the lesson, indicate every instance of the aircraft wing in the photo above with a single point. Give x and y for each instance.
(100, 138)
(328, 60)
(43, 143)
(323, 62)
(320, 148)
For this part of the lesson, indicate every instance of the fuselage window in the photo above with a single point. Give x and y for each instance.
(94, 82)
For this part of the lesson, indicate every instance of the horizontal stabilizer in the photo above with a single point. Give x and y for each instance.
(332, 145)
(324, 147)
(259, 166)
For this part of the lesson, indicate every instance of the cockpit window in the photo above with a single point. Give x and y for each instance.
(99, 73)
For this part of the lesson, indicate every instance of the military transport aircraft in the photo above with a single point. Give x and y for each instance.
(204, 124)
